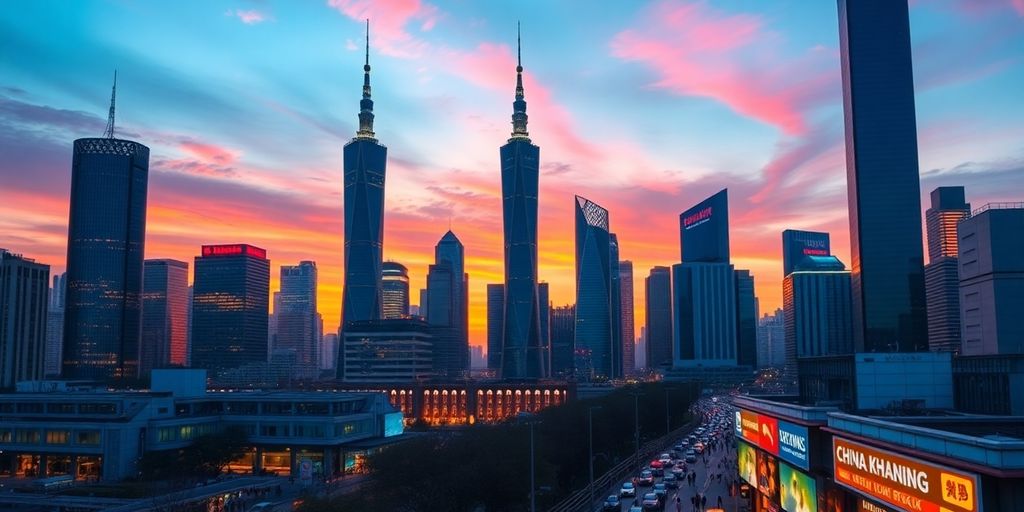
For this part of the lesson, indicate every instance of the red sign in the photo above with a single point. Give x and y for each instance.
(816, 252)
(697, 216)
(768, 432)
(233, 250)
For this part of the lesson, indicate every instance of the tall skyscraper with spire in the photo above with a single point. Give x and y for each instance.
(106, 239)
(522, 350)
(365, 160)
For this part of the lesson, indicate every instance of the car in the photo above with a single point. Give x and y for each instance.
(691, 458)
(670, 481)
(628, 490)
(651, 502)
(646, 478)
(678, 471)
(665, 459)
(678, 447)
(612, 503)
(661, 491)
(658, 472)
(655, 464)
(636, 508)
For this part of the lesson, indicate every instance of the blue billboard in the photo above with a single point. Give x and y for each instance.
(704, 230)
(797, 245)
(793, 444)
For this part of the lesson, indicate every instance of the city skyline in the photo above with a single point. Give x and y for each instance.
(214, 185)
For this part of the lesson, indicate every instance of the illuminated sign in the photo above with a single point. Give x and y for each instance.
(798, 244)
(738, 424)
(768, 434)
(233, 250)
(746, 457)
(903, 482)
(864, 505)
(768, 476)
(798, 491)
(787, 440)
(793, 441)
(704, 230)
(697, 218)
(751, 427)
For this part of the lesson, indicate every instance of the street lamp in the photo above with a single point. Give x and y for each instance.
(528, 418)
(636, 427)
(590, 428)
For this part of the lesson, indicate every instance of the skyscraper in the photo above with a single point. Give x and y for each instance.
(447, 296)
(594, 294)
(55, 326)
(164, 315)
(24, 288)
(626, 307)
(704, 231)
(746, 319)
(365, 160)
(941, 276)
(298, 322)
(882, 176)
(544, 301)
(771, 340)
(523, 355)
(394, 289)
(615, 304)
(796, 245)
(563, 334)
(658, 317)
(495, 326)
(816, 301)
(230, 304)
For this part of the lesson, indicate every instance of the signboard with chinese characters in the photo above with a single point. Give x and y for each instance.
(904, 482)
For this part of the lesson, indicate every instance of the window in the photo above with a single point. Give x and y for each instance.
(246, 408)
(89, 437)
(277, 408)
(165, 434)
(274, 430)
(5, 436)
(61, 408)
(316, 431)
(106, 408)
(57, 436)
(186, 432)
(311, 409)
(30, 408)
(25, 436)
(349, 428)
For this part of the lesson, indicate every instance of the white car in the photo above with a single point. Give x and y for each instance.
(628, 490)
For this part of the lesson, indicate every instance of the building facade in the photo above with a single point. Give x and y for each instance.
(771, 340)
(55, 326)
(447, 307)
(563, 341)
(941, 274)
(394, 289)
(106, 244)
(704, 314)
(883, 180)
(295, 310)
(24, 297)
(746, 319)
(495, 322)
(165, 308)
(594, 291)
(658, 317)
(387, 351)
(628, 327)
(818, 318)
(230, 307)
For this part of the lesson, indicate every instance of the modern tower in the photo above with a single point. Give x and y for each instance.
(295, 308)
(106, 241)
(23, 302)
(522, 351)
(55, 326)
(544, 300)
(626, 308)
(746, 319)
(394, 289)
(447, 300)
(495, 328)
(230, 303)
(882, 174)
(658, 317)
(941, 275)
(817, 310)
(615, 304)
(594, 294)
(165, 308)
(365, 160)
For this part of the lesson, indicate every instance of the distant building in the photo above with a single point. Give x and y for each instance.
(55, 326)
(746, 319)
(991, 257)
(628, 328)
(164, 315)
(230, 307)
(447, 306)
(658, 317)
(771, 340)
(476, 357)
(385, 351)
(297, 319)
(495, 318)
(594, 291)
(704, 313)
(641, 349)
(24, 286)
(563, 334)
(329, 351)
(106, 243)
(616, 305)
(394, 288)
(941, 275)
(544, 303)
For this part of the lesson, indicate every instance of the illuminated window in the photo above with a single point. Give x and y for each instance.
(25, 436)
(57, 436)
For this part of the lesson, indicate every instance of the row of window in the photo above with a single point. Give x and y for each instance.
(33, 436)
(313, 431)
(184, 432)
(57, 408)
(281, 408)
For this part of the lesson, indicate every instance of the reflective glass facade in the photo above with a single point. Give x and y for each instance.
(230, 306)
(165, 306)
(704, 230)
(626, 307)
(365, 161)
(394, 289)
(941, 277)
(24, 294)
(563, 343)
(746, 318)
(796, 245)
(594, 293)
(106, 239)
(495, 329)
(658, 317)
(704, 313)
(295, 308)
(882, 176)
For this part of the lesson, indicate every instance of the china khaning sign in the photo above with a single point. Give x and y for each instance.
(786, 440)
(904, 482)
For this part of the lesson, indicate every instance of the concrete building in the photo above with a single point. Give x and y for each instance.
(387, 351)
(771, 340)
(24, 286)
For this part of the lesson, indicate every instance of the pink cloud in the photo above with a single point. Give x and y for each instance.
(390, 22)
(210, 152)
(730, 58)
(249, 17)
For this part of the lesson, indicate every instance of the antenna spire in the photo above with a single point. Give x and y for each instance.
(366, 105)
(519, 44)
(109, 131)
(519, 105)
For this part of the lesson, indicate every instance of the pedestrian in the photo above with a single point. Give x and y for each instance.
(703, 501)
(719, 501)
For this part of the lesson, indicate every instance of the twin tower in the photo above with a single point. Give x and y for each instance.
(523, 351)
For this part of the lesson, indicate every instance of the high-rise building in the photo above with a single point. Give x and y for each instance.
(329, 351)
(594, 293)
(641, 349)
(704, 230)
(818, 319)
(626, 307)
(365, 160)
(447, 307)
(658, 317)
(298, 321)
(882, 177)
(495, 329)
(24, 286)
(394, 289)
(106, 242)
(544, 301)
(991, 258)
(230, 305)
(55, 326)
(615, 305)
(164, 315)
(563, 334)
(522, 350)
(771, 340)
(385, 351)
(941, 276)
(746, 319)
(476, 357)
(796, 245)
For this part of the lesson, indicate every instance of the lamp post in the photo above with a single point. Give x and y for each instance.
(590, 429)
(528, 418)
(636, 427)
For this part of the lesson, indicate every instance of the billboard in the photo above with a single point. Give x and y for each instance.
(768, 476)
(746, 457)
(704, 230)
(209, 251)
(797, 491)
(768, 434)
(787, 440)
(793, 444)
(903, 482)
(750, 427)
(798, 244)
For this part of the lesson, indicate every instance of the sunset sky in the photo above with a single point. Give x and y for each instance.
(644, 108)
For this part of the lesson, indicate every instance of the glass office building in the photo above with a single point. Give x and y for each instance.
(165, 306)
(394, 289)
(594, 293)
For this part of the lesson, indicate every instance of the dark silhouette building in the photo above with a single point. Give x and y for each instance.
(106, 246)
(658, 317)
(594, 293)
(615, 305)
(563, 344)
(746, 319)
(24, 296)
(230, 303)
(796, 245)
(447, 300)
(55, 326)
(941, 275)
(628, 327)
(544, 301)
(165, 308)
(522, 349)
(394, 289)
(297, 319)
(882, 177)
(704, 230)
(495, 329)
(365, 160)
